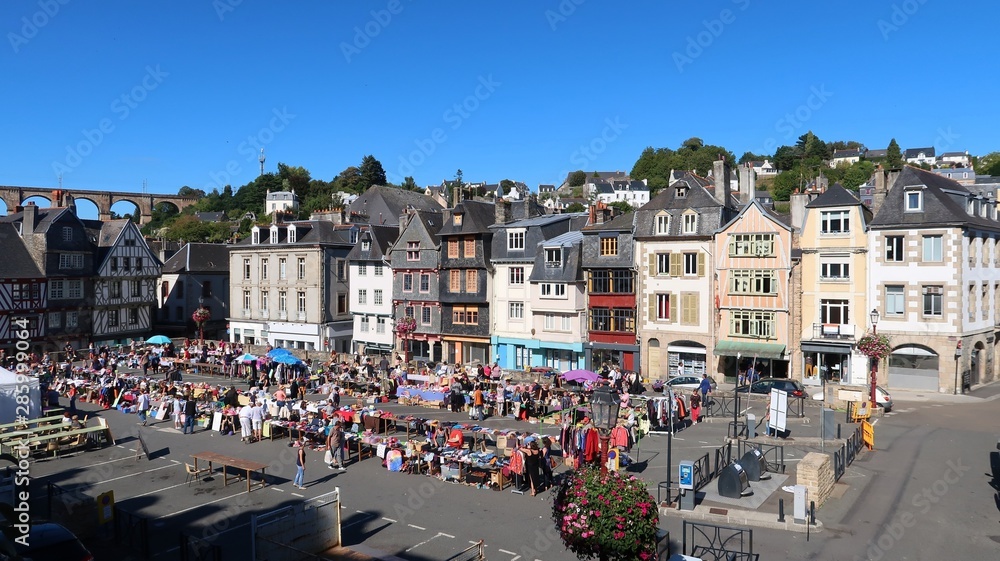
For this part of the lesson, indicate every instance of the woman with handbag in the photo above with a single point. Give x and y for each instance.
(548, 463)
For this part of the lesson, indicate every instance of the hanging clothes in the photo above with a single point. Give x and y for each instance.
(592, 447)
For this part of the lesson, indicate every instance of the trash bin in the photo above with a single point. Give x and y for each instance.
(754, 465)
(733, 482)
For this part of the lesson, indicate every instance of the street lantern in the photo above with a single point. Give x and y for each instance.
(604, 405)
(874, 316)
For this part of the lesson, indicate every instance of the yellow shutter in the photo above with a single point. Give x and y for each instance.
(652, 264)
(695, 309)
(701, 264)
(673, 308)
(676, 264)
(652, 307)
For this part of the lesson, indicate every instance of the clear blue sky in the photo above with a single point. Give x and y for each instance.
(185, 89)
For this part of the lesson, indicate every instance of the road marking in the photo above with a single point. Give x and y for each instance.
(297, 495)
(230, 497)
(388, 520)
(176, 462)
(702, 442)
(473, 542)
(450, 536)
(151, 492)
(277, 489)
(421, 543)
(507, 552)
(417, 527)
(124, 476)
(360, 521)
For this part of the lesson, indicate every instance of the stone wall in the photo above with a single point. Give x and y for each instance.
(815, 471)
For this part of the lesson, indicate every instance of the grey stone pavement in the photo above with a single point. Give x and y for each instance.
(901, 498)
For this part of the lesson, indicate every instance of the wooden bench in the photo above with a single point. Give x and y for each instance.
(24, 425)
(75, 438)
(10, 440)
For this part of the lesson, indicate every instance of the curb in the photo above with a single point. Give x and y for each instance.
(740, 517)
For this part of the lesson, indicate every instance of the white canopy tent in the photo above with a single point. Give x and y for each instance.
(10, 389)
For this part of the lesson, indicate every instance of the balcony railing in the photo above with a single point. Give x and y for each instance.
(833, 331)
(246, 313)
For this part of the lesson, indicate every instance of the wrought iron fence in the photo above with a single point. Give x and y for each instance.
(713, 542)
(193, 548)
(774, 454)
(132, 531)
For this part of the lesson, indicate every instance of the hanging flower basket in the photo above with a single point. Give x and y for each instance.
(201, 315)
(610, 516)
(875, 346)
(406, 325)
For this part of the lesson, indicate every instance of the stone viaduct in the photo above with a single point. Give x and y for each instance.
(14, 197)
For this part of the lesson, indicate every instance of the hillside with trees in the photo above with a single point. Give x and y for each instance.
(245, 205)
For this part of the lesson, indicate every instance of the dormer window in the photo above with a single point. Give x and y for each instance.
(366, 245)
(662, 224)
(456, 219)
(354, 235)
(515, 240)
(690, 223)
(292, 234)
(682, 191)
(255, 235)
(67, 234)
(274, 234)
(553, 257)
(914, 200)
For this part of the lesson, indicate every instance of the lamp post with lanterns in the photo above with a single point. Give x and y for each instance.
(874, 317)
(604, 406)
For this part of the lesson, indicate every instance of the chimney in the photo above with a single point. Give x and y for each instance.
(404, 219)
(532, 207)
(29, 218)
(600, 213)
(722, 174)
(883, 182)
(798, 208)
(503, 212)
(456, 195)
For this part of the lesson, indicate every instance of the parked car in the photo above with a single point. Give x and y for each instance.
(764, 385)
(883, 399)
(687, 383)
(53, 542)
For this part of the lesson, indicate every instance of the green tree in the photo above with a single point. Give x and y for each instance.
(748, 157)
(186, 191)
(575, 207)
(409, 184)
(577, 178)
(785, 157)
(893, 155)
(857, 174)
(988, 164)
(784, 184)
(372, 172)
(844, 145)
(693, 143)
(621, 206)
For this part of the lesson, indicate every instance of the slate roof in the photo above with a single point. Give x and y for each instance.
(915, 152)
(835, 195)
(847, 153)
(783, 219)
(546, 188)
(571, 269)
(199, 258)
(953, 155)
(16, 262)
(381, 204)
(382, 237)
(307, 232)
(944, 203)
(281, 196)
(477, 218)
(879, 153)
(219, 216)
(698, 197)
(620, 223)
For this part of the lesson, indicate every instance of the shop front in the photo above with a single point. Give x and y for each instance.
(625, 357)
(768, 360)
(832, 363)
(464, 350)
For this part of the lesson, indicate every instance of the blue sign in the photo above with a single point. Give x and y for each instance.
(686, 475)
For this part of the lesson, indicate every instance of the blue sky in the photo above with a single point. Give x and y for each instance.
(113, 93)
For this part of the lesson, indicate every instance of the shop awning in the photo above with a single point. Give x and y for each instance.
(750, 349)
(832, 348)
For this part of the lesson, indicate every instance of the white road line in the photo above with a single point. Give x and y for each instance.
(388, 520)
(702, 442)
(277, 489)
(176, 462)
(199, 505)
(298, 495)
(507, 552)
(151, 492)
(449, 536)
(125, 476)
(357, 522)
(409, 549)
(417, 527)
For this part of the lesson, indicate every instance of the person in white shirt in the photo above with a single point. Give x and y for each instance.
(246, 424)
(143, 406)
(257, 418)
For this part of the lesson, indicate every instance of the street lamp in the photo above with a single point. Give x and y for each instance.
(958, 357)
(604, 405)
(874, 316)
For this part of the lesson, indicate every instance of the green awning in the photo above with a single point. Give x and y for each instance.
(750, 349)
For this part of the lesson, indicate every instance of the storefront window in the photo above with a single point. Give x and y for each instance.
(826, 367)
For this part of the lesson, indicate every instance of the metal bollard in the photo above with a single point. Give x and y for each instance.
(812, 512)
(781, 510)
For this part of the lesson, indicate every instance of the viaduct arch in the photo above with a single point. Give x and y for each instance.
(145, 202)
